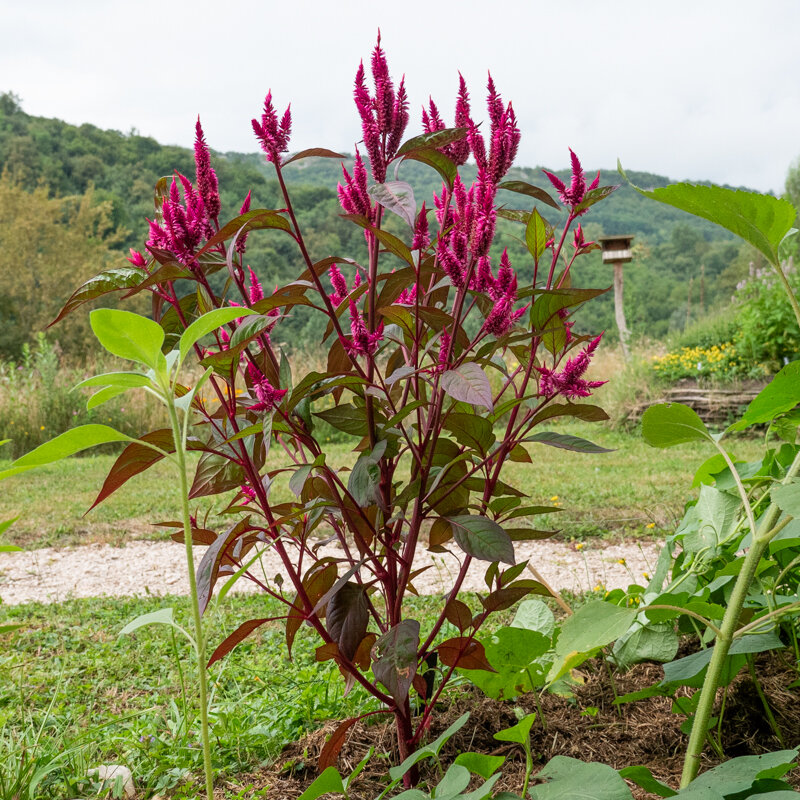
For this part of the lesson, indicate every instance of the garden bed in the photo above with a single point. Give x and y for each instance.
(588, 727)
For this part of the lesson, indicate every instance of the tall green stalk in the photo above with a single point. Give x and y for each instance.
(179, 438)
(761, 538)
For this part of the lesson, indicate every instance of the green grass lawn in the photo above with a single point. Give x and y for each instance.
(118, 699)
(602, 495)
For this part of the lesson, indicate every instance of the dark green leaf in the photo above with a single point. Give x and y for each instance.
(434, 139)
(570, 779)
(439, 161)
(536, 235)
(482, 538)
(521, 187)
(313, 152)
(257, 219)
(471, 430)
(112, 280)
(566, 442)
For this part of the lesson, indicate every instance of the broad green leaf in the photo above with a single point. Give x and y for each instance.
(642, 777)
(482, 538)
(329, 781)
(480, 763)
(164, 616)
(364, 480)
(397, 197)
(535, 615)
(589, 629)
(670, 424)
(760, 219)
(739, 774)
(468, 383)
(787, 498)
(536, 235)
(129, 335)
(714, 519)
(780, 395)
(519, 733)
(566, 441)
(688, 667)
(471, 430)
(544, 313)
(104, 395)
(570, 779)
(69, 443)
(128, 380)
(206, 324)
(455, 780)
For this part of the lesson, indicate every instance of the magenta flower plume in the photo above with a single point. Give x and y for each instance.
(362, 342)
(504, 137)
(457, 152)
(384, 115)
(267, 395)
(504, 293)
(241, 241)
(255, 292)
(469, 228)
(407, 297)
(573, 195)
(184, 222)
(570, 381)
(138, 260)
(339, 285)
(249, 494)
(273, 135)
(353, 195)
(422, 237)
(207, 183)
(580, 244)
(444, 346)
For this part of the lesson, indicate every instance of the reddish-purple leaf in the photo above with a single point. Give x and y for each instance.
(458, 614)
(395, 658)
(463, 652)
(521, 187)
(239, 635)
(208, 570)
(330, 752)
(313, 152)
(398, 197)
(256, 219)
(347, 618)
(506, 597)
(215, 474)
(112, 280)
(482, 538)
(433, 139)
(468, 383)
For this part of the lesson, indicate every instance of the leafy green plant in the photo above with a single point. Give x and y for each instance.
(723, 522)
(431, 315)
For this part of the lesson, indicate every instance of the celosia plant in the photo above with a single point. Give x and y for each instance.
(408, 368)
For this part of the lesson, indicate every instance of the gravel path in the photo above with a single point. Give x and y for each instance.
(158, 568)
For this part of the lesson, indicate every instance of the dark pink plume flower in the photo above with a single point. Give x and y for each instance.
(362, 342)
(207, 183)
(248, 492)
(267, 395)
(570, 381)
(407, 297)
(469, 229)
(138, 260)
(384, 115)
(255, 292)
(273, 135)
(504, 293)
(241, 241)
(444, 346)
(184, 223)
(580, 244)
(504, 137)
(339, 285)
(353, 195)
(573, 195)
(457, 152)
(422, 237)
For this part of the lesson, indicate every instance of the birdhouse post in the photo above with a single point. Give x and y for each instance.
(617, 251)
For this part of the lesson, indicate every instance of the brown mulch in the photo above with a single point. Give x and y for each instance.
(645, 732)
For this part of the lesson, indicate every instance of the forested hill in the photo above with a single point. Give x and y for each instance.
(123, 168)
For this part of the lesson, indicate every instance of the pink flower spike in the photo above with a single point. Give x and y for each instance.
(137, 259)
(362, 342)
(273, 135)
(256, 293)
(249, 494)
(422, 237)
(339, 285)
(241, 241)
(207, 183)
(570, 381)
(267, 395)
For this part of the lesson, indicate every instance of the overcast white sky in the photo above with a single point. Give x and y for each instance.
(686, 88)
